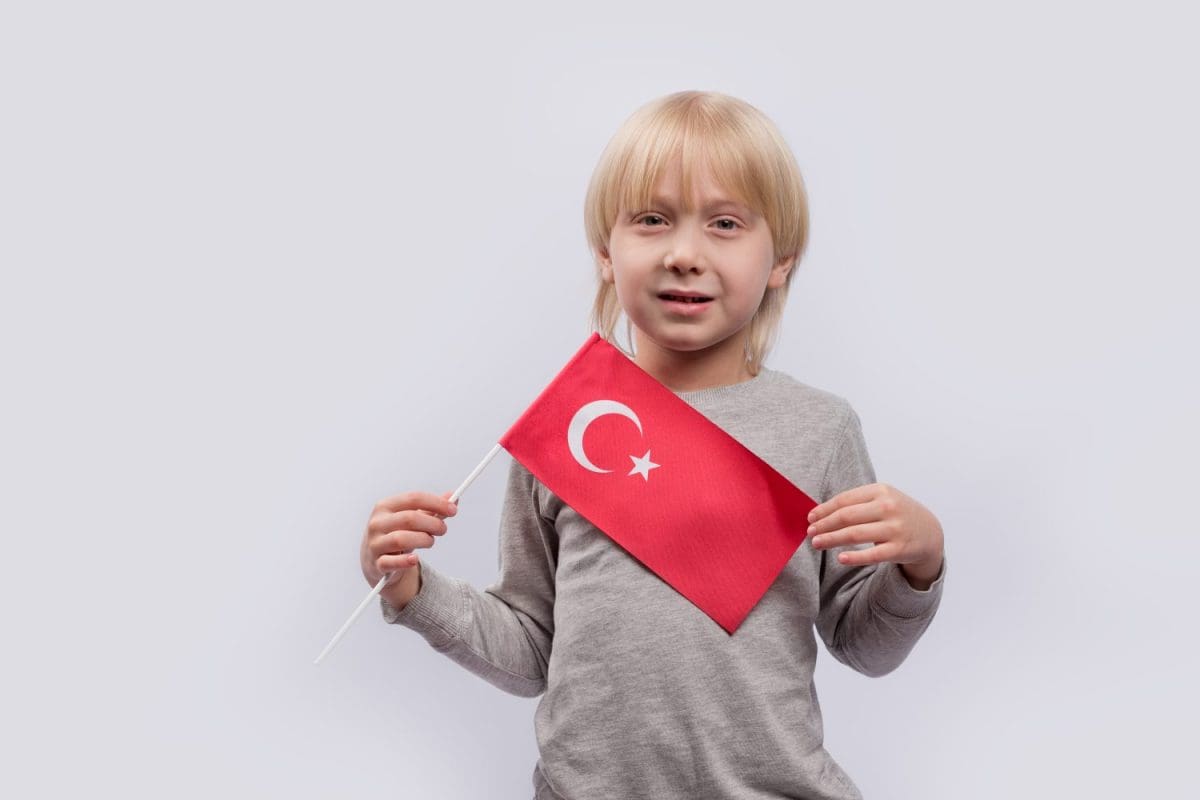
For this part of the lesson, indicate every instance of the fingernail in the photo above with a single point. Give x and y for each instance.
(817, 541)
(812, 515)
(812, 528)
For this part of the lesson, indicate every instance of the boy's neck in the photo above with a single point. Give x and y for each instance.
(683, 371)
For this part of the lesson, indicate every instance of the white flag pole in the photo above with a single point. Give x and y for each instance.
(337, 637)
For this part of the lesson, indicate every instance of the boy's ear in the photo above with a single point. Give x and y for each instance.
(780, 270)
(605, 262)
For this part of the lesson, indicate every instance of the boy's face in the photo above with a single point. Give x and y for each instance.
(719, 252)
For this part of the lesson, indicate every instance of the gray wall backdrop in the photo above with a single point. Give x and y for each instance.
(267, 263)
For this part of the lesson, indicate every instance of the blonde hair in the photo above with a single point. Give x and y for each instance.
(748, 157)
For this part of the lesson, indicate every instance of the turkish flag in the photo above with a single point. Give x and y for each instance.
(682, 496)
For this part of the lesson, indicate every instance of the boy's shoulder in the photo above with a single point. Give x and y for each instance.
(797, 428)
(804, 398)
(777, 410)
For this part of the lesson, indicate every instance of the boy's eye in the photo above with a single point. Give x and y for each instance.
(654, 220)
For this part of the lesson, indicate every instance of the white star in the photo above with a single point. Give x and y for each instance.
(642, 466)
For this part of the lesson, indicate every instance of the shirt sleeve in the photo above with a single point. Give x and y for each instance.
(870, 616)
(504, 633)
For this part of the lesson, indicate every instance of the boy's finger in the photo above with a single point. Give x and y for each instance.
(874, 532)
(395, 563)
(408, 520)
(870, 555)
(425, 501)
(858, 494)
(858, 513)
(453, 506)
(406, 541)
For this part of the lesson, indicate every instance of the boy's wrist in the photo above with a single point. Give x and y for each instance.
(404, 590)
(922, 574)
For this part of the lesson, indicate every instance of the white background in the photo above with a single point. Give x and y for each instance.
(267, 263)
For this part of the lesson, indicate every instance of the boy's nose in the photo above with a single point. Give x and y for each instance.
(684, 253)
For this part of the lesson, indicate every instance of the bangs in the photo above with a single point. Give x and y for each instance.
(694, 141)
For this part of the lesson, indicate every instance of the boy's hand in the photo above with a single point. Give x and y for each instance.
(398, 525)
(902, 530)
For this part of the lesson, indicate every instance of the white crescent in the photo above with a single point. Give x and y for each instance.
(583, 417)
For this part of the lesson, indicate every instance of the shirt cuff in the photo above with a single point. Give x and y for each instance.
(895, 595)
(436, 611)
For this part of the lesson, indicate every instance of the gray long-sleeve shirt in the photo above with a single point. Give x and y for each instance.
(644, 695)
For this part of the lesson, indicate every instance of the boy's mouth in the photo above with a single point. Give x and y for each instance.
(681, 298)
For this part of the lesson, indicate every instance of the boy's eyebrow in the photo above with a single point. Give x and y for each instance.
(712, 204)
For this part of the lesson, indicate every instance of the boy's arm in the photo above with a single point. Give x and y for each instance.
(870, 616)
(504, 633)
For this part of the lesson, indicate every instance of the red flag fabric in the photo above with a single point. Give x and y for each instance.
(681, 495)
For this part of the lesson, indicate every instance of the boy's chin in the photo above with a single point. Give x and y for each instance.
(689, 346)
